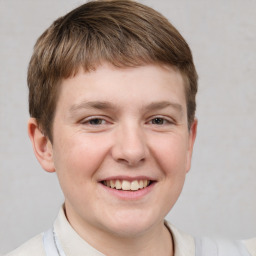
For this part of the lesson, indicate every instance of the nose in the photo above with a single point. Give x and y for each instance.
(130, 145)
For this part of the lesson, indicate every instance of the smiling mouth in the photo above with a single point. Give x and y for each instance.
(126, 185)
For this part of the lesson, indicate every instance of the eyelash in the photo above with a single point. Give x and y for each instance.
(91, 119)
(163, 121)
(99, 121)
(159, 121)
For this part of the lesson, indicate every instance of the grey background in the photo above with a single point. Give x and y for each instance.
(219, 198)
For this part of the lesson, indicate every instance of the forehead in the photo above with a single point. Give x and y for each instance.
(107, 76)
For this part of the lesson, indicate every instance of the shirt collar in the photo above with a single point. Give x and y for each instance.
(71, 242)
(184, 244)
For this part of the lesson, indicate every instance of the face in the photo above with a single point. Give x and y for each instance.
(121, 147)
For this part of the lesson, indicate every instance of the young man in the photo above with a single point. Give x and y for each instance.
(112, 89)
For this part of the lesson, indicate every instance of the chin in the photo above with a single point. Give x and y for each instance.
(129, 231)
(131, 225)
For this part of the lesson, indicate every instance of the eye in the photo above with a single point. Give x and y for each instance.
(96, 121)
(158, 121)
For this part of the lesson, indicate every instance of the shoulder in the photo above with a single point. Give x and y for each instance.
(31, 248)
(221, 247)
(250, 244)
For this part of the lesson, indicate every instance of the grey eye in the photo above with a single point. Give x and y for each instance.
(95, 121)
(158, 121)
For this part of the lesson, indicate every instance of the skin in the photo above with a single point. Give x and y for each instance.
(128, 123)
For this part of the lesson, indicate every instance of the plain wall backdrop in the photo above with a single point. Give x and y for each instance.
(219, 198)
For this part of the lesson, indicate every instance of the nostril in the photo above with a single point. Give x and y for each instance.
(131, 162)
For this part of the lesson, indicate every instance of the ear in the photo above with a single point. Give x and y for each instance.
(191, 141)
(42, 146)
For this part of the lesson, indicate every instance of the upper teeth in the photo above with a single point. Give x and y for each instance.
(127, 185)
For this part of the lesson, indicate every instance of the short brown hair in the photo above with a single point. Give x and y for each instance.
(122, 32)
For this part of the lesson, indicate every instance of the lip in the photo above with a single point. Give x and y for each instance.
(129, 195)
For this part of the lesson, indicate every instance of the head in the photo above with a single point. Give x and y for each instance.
(122, 33)
(112, 96)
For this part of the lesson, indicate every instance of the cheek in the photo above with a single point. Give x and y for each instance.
(78, 157)
(76, 161)
(171, 155)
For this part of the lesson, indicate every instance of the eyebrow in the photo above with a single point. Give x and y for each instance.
(91, 104)
(105, 105)
(164, 104)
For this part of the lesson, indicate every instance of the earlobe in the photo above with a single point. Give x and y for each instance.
(192, 138)
(42, 146)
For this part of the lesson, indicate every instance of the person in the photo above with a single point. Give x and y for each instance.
(112, 89)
